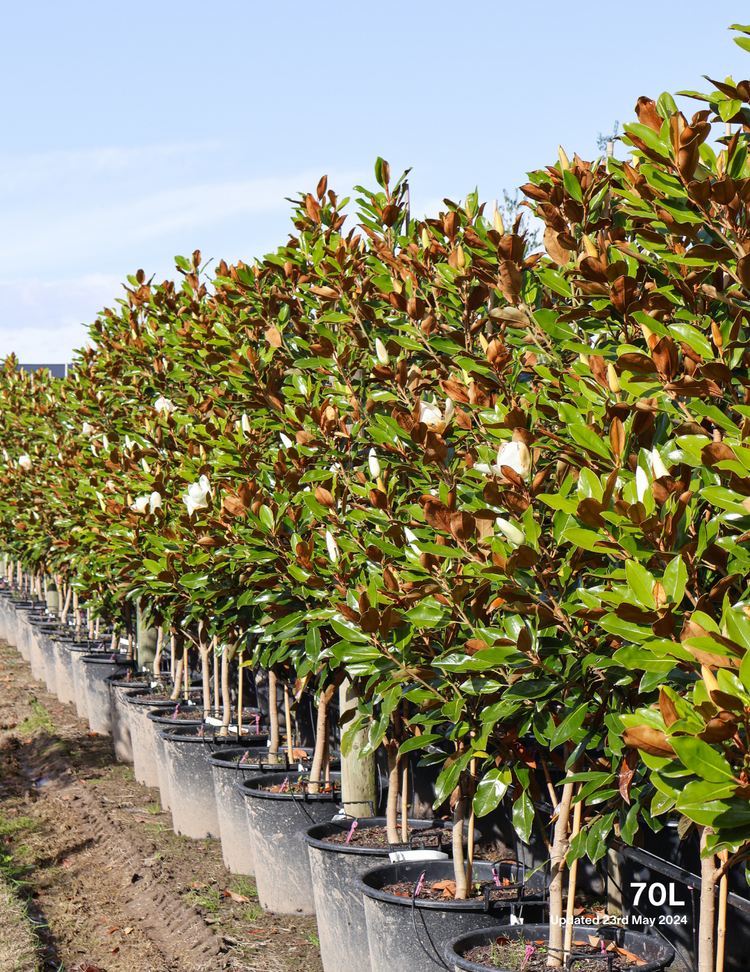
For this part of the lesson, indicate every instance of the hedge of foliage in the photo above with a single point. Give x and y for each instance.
(506, 493)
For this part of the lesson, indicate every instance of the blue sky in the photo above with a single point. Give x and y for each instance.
(135, 131)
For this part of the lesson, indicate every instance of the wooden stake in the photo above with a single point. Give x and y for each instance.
(472, 818)
(405, 781)
(288, 715)
(572, 877)
(239, 695)
(216, 678)
(226, 718)
(273, 716)
(159, 647)
(173, 659)
(721, 930)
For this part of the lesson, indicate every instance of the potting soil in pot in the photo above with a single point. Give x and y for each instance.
(531, 955)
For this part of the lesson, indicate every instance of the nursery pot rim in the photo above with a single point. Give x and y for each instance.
(184, 734)
(418, 823)
(541, 930)
(99, 659)
(249, 791)
(475, 904)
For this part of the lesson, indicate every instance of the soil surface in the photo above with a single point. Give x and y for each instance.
(107, 881)
(378, 837)
(532, 956)
(445, 890)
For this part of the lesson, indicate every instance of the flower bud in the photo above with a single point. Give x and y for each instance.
(285, 441)
(657, 464)
(497, 221)
(590, 246)
(510, 531)
(374, 464)
(380, 351)
(614, 381)
(426, 242)
(460, 256)
(245, 423)
(333, 548)
(564, 163)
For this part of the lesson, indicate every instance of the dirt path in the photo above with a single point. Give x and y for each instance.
(111, 887)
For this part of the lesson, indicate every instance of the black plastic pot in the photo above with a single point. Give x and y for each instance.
(145, 755)
(335, 868)
(277, 822)
(96, 669)
(655, 952)
(77, 651)
(406, 933)
(117, 686)
(227, 769)
(191, 783)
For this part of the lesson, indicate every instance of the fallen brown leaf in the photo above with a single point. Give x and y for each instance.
(236, 897)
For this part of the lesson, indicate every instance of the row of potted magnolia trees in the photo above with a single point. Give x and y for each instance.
(221, 778)
(495, 501)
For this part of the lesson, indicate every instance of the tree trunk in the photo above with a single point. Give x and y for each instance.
(288, 717)
(273, 717)
(159, 648)
(459, 870)
(66, 608)
(214, 643)
(708, 908)
(225, 698)
(177, 668)
(113, 641)
(358, 785)
(391, 810)
(557, 860)
(206, 673)
(321, 737)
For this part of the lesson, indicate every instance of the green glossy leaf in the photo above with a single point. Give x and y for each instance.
(702, 759)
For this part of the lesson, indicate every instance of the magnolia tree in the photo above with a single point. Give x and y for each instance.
(504, 494)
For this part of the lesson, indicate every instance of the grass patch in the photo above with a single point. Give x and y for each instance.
(207, 898)
(19, 949)
(243, 884)
(37, 721)
(12, 825)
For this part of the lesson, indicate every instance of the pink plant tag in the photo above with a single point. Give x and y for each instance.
(527, 955)
(176, 710)
(497, 879)
(351, 831)
(257, 725)
(420, 882)
(282, 788)
(244, 758)
(200, 732)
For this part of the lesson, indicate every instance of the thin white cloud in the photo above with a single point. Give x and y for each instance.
(43, 322)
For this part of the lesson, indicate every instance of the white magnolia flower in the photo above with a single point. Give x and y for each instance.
(431, 414)
(87, 430)
(154, 501)
(140, 505)
(105, 442)
(163, 404)
(374, 464)
(25, 462)
(380, 351)
(511, 531)
(513, 454)
(285, 441)
(197, 495)
(657, 464)
(245, 423)
(641, 483)
(411, 539)
(333, 548)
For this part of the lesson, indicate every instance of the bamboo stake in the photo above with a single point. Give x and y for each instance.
(721, 930)
(226, 717)
(572, 877)
(214, 643)
(288, 716)
(172, 658)
(273, 716)
(405, 781)
(239, 696)
(472, 818)
(76, 613)
(177, 675)
(186, 667)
